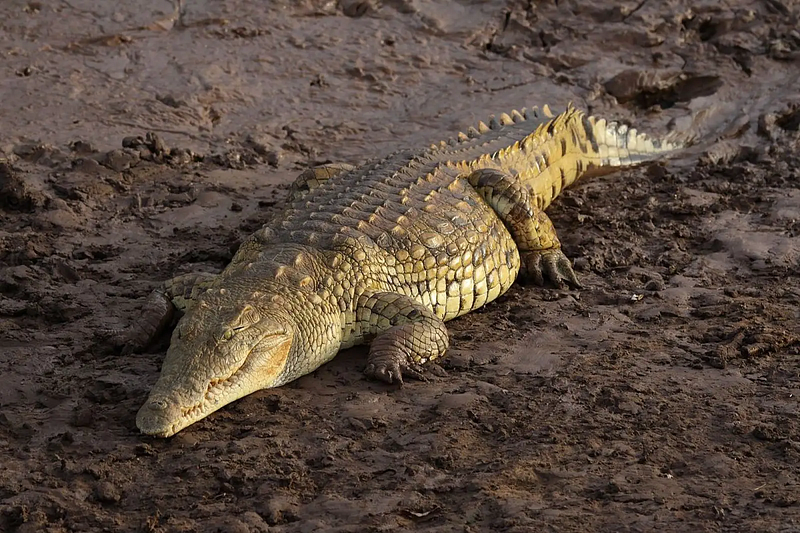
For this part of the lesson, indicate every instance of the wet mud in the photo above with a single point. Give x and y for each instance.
(146, 140)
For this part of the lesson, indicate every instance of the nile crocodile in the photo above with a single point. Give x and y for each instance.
(383, 253)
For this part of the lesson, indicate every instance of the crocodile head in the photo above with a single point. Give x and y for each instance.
(221, 350)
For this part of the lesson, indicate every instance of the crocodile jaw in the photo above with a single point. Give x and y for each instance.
(177, 401)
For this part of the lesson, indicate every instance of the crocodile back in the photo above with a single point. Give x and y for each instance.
(409, 224)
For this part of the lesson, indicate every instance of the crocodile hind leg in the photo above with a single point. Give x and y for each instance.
(407, 335)
(531, 228)
(158, 311)
(314, 177)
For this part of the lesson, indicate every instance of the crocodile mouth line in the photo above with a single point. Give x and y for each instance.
(213, 391)
(215, 385)
(219, 391)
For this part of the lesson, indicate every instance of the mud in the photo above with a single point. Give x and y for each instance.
(141, 141)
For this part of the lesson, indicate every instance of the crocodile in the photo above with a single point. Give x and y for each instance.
(384, 253)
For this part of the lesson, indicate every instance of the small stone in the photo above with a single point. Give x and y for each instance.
(355, 8)
(259, 143)
(228, 524)
(654, 285)
(277, 507)
(87, 165)
(15, 192)
(133, 142)
(29, 151)
(83, 147)
(273, 158)
(254, 522)
(120, 159)
(144, 450)
(105, 492)
(155, 144)
(181, 156)
(170, 100)
(179, 198)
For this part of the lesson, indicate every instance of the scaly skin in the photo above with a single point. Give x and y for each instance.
(384, 253)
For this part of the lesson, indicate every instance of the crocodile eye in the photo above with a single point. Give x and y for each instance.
(227, 335)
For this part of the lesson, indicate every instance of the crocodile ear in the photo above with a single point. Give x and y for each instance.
(248, 316)
(271, 358)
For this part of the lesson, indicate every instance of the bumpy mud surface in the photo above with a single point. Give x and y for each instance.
(662, 396)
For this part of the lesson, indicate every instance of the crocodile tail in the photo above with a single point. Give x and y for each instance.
(616, 145)
(572, 145)
(549, 152)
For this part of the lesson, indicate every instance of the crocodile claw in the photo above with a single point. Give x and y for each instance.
(550, 265)
(390, 368)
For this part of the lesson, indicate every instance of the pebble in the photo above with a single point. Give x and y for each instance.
(106, 492)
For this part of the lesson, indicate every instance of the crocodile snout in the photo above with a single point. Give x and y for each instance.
(158, 417)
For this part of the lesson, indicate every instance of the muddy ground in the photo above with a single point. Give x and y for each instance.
(662, 396)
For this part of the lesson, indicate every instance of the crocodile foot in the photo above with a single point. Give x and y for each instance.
(549, 265)
(156, 315)
(128, 343)
(390, 367)
(121, 341)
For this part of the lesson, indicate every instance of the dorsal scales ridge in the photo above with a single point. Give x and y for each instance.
(609, 137)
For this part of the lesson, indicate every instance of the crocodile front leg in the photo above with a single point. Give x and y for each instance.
(158, 311)
(314, 177)
(407, 335)
(531, 228)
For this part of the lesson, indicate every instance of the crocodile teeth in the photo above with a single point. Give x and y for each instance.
(472, 133)
(530, 113)
(482, 127)
(462, 136)
(546, 111)
(505, 119)
(493, 124)
(516, 116)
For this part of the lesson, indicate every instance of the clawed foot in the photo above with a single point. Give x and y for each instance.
(115, 341)
(127, 346)
(158, 313)
(550, 265)
(391, 368)
(120, 341)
